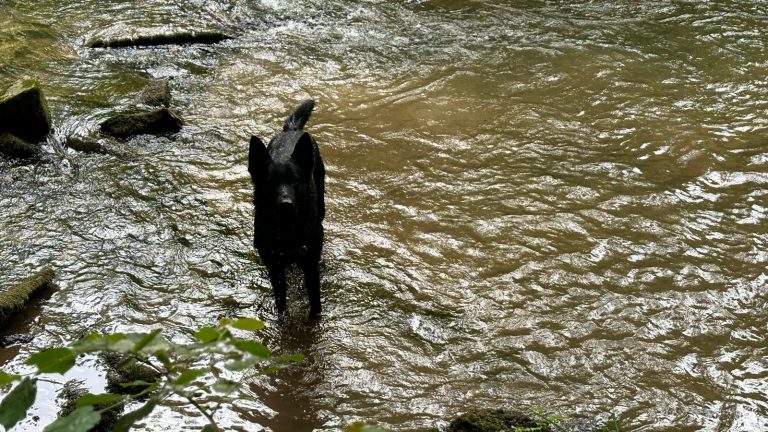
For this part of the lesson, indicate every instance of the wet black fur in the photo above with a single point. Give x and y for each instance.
(289, 197)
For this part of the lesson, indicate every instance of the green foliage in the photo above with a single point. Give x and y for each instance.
(362, 427)
(6, 378)
(174, 369)
(81, 419)
(612, 424)
(14, 407)
(55, 360)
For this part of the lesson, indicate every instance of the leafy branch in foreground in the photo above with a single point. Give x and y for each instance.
(170, 371)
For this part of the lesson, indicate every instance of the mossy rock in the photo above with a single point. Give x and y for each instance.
(180, 38)
(156, 93)
(478, 420)
(24, 111)
(16, 297)
(15, 147)
(71, 391)
(123, 370)
(158, 122)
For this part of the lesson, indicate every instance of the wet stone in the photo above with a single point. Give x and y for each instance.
(491, 421)
(15, 147)
(500, 420)
(121, 370)
(85, 146)
(14, 339)
(156, 93)
(24, 111)
(159, 122)
(72, 390)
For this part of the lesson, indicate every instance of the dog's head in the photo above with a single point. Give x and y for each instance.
(282, 173)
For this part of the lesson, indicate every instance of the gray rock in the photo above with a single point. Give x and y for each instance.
(162, 121)
(156, 93)
(24, 111)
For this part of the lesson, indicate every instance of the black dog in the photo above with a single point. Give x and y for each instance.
(289, 187)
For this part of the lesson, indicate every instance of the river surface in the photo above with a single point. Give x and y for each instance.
(530, 204)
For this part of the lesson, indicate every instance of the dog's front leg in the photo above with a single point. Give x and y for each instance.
(277, 278)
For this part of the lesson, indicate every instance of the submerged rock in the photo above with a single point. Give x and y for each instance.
(492, 421)
(499, 420)
(85, 146)
(15, 147)
(16, 297)
(181, 38)
(121, 369)
(157, 122)
(72, 390)
(14, 339)
(24, 111)
(156, 93)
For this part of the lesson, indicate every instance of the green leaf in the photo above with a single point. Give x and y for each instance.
(79, 420)
(144, 341)
(125, 422)
(253, 347)
(239, 365)
(55, 360)
(207, 334)
(6, 378)
(188, 376)
(362, 427)
(272, 369)
(208, 428)
(225, 386)
(292, 358)
(15, 405)
(97, 342)
(249, 324)
(163, 357)
(92, 399)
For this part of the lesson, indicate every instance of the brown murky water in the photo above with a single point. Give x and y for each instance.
(530, 203)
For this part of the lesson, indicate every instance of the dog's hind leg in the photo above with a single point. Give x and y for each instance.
(312, 282)
(277, 278)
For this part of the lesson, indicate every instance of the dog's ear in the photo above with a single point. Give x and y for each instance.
(304, 154)
(258, 158)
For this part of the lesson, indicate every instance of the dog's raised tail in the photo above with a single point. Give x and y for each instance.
(298, 119)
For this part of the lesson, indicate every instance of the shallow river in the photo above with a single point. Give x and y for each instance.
(533, 205)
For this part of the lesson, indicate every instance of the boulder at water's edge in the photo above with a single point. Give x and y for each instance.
(15, 147)
(24, 111)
